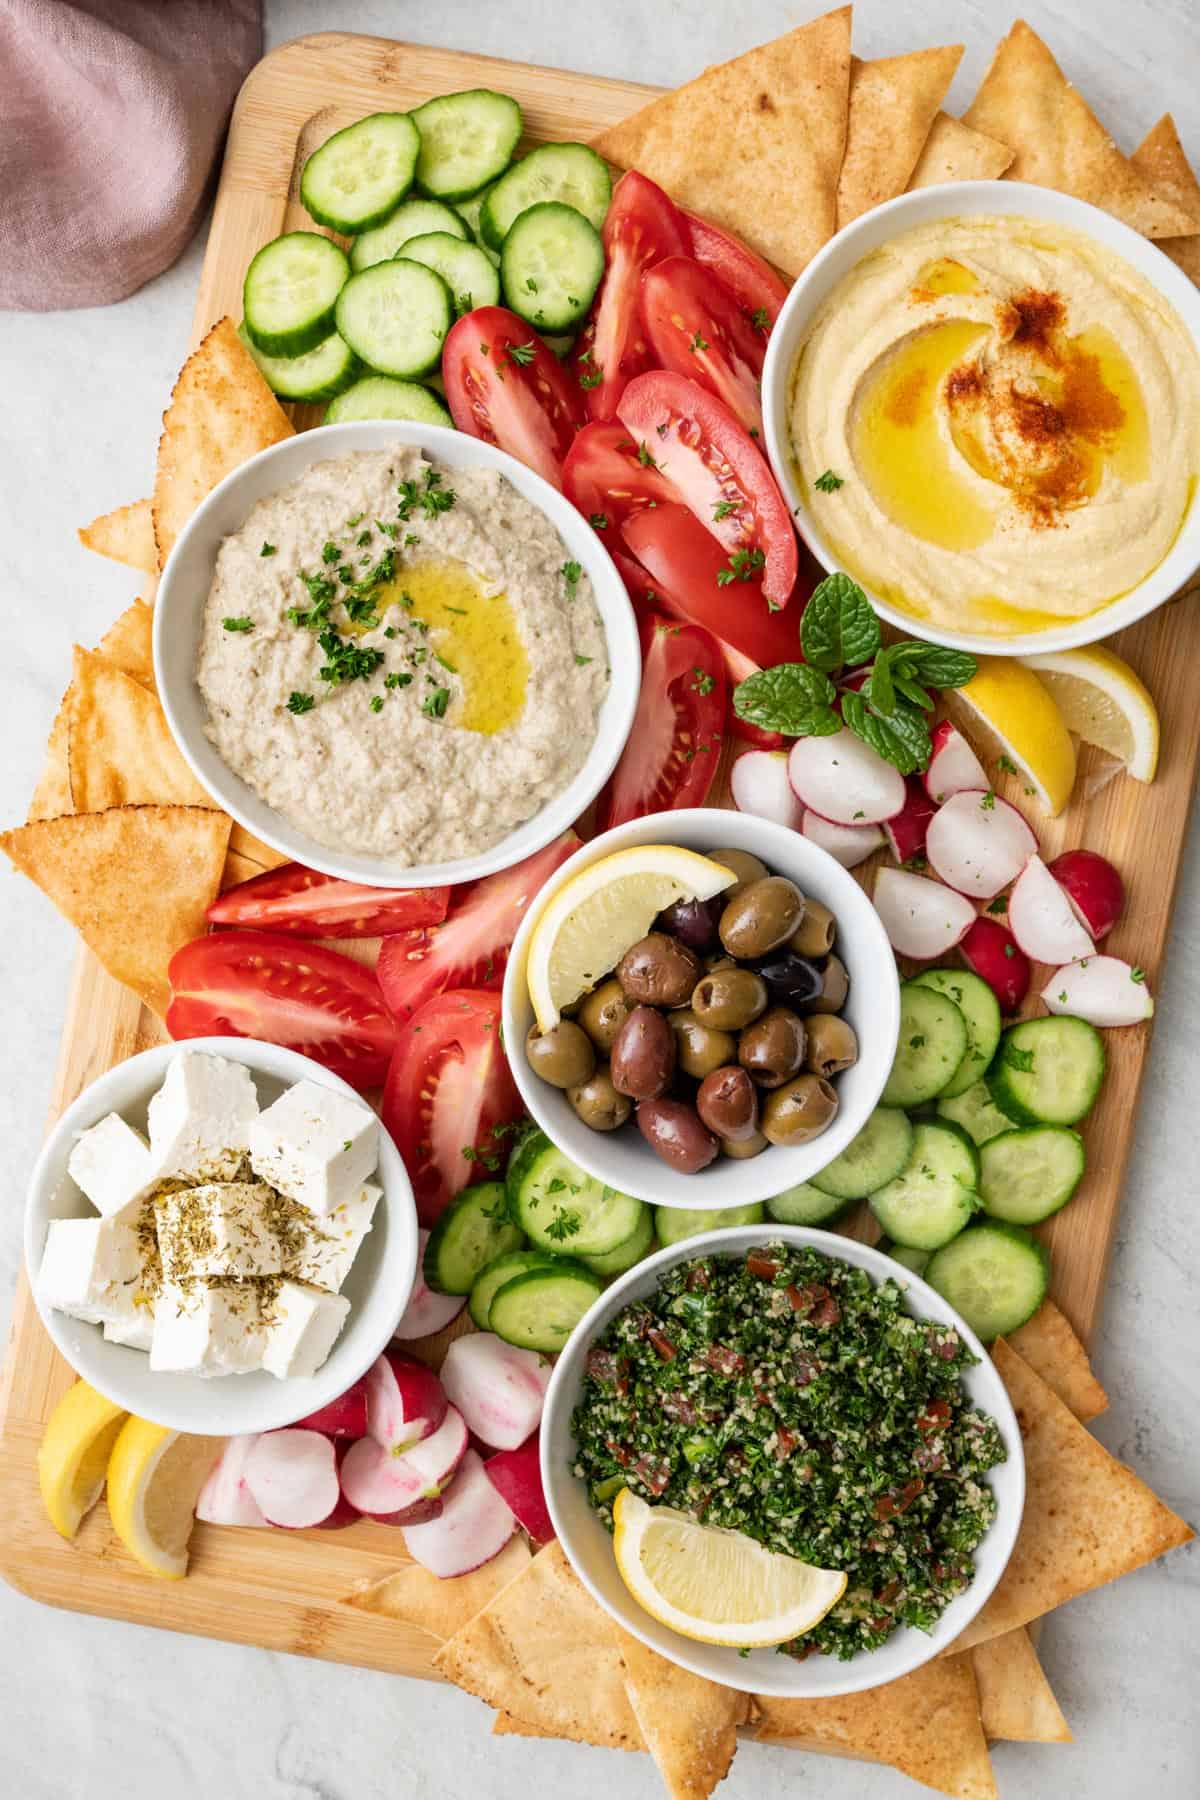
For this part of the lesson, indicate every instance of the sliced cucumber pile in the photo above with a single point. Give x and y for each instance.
(872, 1159)
(935, 1193)
(383, 397)
(290, 292)
(995, 1275)
(321, 373)
(1048, 1071)
(560, 1208)
(674, 1223)
(467, 140)
(467, 272)
(805, 1204)
(472, 1232)
(361, 174)
(540, 1309)
(571, 174)
(395, 315)
(412, 218)
(551, 265)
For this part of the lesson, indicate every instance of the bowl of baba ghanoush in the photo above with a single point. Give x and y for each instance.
(395, 654)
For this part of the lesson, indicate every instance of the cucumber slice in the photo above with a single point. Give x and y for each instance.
(412, 218)
(290, 293)
(916, 1260)
(474, 1229)
(469, 211)
(872, 1159)
(805, 1204)
(540, 1310)
(976, 1112)
(467, 272)
(320, 374)
(674, 1223)
(569, 173)
(395, 315)
(467, 139)
(491, 1279)
(561, 1209)
(361, 174)
(1027, 1174)
(981, 1010)
(381, 397)
(932, 1043)
(994, 1274)
(551, 265)
(1047, 1071)
(934, 1195)
(615, 1262)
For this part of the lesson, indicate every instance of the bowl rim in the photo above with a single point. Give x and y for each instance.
(176, 601)
(866, 234)
(560, 1401)
(229, 1417)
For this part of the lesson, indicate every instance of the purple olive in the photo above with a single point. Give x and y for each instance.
(643, 1055)
(673, 1129)
(693, 922)
(792, 980)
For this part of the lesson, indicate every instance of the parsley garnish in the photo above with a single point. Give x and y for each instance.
(356, 520)
(396, 681)
(438, 658)
(377, 703)
(434, 705)
(999, 905)
(563, 1225)
(704, 683)
(242, 624)
(828, 482)
(267, 550)
(346, 662)
(1138, 975)
(760, 319)
(570, 572)
(723, 508)
(598, 521)
(581, 662)
(592, 377)
(300, 703)
(645, 458)
(330, 553)
(741, 567)
(522, 354)
(698, 343)
(1007, 765)
(988, 803)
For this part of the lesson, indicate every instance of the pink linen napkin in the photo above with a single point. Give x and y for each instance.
(111, 116)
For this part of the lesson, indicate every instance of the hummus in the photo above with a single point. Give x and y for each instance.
(401, 659)
(998, 423)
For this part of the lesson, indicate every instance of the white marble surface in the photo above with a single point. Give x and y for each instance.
(91, 1709)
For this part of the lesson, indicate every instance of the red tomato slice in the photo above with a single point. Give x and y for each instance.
(674, 748)
(524, 403)
(696, 327)
(752, 282)
(471, 948)
(311, 905)
(642, 226)
(448, 1090)
(258, 984)
(607, 481)
(718, 472)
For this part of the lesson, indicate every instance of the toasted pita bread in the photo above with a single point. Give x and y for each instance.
(120, 750)
(127, 644)
(244, 843)
(755, 144)
(126, 535)
(1161, 158)
(1025, 100)
(689, 1724)
(504, 1725)
(953, 152)
(1050, 1347)
(52, 795)
(415, 1597)
(1015, 1699)
(893, 103)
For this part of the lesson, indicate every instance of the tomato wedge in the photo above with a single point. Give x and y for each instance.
(524, 403)
(753, 283)
(674, 748)
(449, 1096)
(607, 480)
(259, 984)
(311, 905)
(696, 327)
(471, 947)
(642, 226)
(718, 472)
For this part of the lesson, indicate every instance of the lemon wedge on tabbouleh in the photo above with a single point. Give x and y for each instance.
(73, 1455)
(154, 1478)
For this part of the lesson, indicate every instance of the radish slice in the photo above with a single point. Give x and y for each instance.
(1094, 888)
(387, 1486)
(758, 784)
(844, 780)
(426, 1311)
(474, 1525)
(953, 765)
(922, 918)
(978, 843)
(345, 1417)
(225, 1499)
(1041, 919)
(498, 1389)
(991, 952)
(405, 1400)
(293, 1476)
(1104, 990)
(516, 1476)
(847, 844)
(906, 832)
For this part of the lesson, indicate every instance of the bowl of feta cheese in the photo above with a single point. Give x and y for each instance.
(220, 1236)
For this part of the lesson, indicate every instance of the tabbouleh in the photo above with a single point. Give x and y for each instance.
(785, 1395)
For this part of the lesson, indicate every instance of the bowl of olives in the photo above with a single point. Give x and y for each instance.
(736, 1048)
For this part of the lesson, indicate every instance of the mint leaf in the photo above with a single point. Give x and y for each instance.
(934, 664)
(901, 739)
(912, 690)
(839, 626)
(793, 698)
(877, 690)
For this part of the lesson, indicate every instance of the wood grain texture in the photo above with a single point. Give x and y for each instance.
(281, 1590)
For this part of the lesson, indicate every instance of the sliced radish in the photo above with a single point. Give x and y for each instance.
(474, 1525)
(978, 843)
(225, 1499)
(1041, 918)
(1104, 990)
(293, 1476)
(498, 1389)
(953, 765)
(517, 1477)
(847, 844)
(405, 1400)
(426, 1311)
(1094, 888)
(345, 1417)
(922, 918)
(991, 952)
(386, 1485)
(844, 780)
(906, 832)
(758, 784)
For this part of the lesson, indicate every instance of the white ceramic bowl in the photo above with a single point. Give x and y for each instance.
(958, 200)
(622, 1158)
(589, 1547)
(377, 1287)
(179, 613)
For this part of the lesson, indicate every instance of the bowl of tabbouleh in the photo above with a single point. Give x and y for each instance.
(804, 1390)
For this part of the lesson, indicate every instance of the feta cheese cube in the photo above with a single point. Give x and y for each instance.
(201, 1116)
(315, 1146)
(333, 1241)
(134, 1326)
(203, 1328)
(305, 1322)
(111, 1164)
(87, 1262)
(223, 1229)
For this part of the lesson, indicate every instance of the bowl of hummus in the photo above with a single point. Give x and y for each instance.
(395, 654)
(983, 402)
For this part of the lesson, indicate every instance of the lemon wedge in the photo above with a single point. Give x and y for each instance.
(154, 1478)
(587, 926)
(73, 1455)
(716, 1586)
(1007, 711)
(1104, 703)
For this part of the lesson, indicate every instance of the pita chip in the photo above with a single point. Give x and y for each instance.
(52, 795)
(128, 645)
(126, 535)
(244, 843)
(1016, 1701)
(689, 1724)
(221, 413)
(415, 1597)
(120, 751)
(1161, 158)
(1025, 100)
(755, 144)
(893, 103)
(505, 1725)
(1048, 1344)
(953, 152)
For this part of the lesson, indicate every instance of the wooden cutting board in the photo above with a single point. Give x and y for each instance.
(282, 1590)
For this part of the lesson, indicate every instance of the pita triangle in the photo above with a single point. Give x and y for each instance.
(689, 1724)
(953, 152)
(1016, 1702)
(1161, 158)
(126, 535)
(893, 103)
(121, 751)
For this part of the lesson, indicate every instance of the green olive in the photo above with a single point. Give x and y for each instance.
(729, 998)
(741, 1148)
(772, 1049)
(835, 985)
(762, 917)
(816, 931)
(832, 1045)
(747, 868)
(604, 1012)
(699, 1048)
(799, 1111)
(564, 1057)
(597, 1102)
